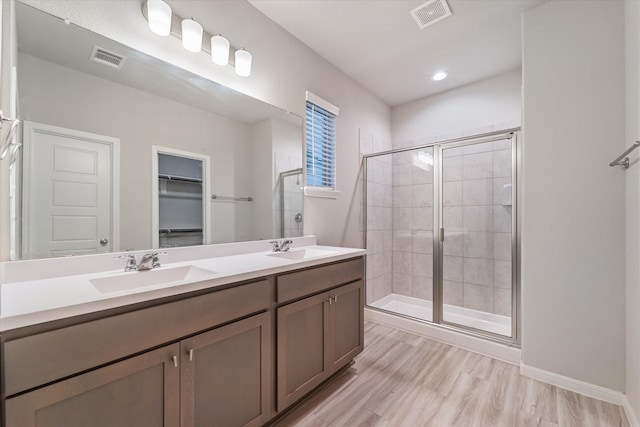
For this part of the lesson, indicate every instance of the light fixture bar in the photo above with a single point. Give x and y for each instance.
(176, 31)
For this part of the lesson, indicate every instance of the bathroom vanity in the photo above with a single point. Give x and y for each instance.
(234, 343)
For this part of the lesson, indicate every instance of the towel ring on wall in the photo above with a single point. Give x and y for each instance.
(7, 138)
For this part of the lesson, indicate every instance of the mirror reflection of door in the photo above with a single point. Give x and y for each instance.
(180, 198)
(71, 192)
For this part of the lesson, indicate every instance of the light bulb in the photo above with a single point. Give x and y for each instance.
(220, 50)
(439, 76)
(191, 35)
(243, 63)
(159, 14)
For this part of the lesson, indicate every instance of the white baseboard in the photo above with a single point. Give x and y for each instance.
(477, 345)
(584, 388)
(631, 415)
(572, 384)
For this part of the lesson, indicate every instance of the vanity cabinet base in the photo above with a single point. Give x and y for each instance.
(141, 391)
(317, 336)
(238, 356)
(226, 375)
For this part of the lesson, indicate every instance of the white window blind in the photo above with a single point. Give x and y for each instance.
(321, 144)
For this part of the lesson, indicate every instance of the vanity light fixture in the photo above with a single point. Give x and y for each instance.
(159, 17)
(243, 63)
(162, 21)
(191, 35)
(220, 50)
(441, 75)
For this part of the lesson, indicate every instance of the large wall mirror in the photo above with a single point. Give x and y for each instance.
(93, 110)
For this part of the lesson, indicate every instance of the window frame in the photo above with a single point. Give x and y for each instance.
(327, 110)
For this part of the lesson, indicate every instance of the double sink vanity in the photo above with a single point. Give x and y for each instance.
(228, 335)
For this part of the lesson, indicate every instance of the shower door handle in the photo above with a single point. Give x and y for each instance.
(442, 234)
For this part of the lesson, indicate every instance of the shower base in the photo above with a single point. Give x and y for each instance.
(423, 310)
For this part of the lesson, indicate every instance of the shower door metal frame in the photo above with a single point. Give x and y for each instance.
(281, 177)
(438, 231)
(511, 135)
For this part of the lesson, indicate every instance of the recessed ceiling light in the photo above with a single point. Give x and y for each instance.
(439, 76)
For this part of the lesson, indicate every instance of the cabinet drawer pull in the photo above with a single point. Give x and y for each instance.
(175, 361)
(190, 353)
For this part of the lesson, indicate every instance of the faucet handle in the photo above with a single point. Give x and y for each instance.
(156, 261)
(276, 245)
(131, 264)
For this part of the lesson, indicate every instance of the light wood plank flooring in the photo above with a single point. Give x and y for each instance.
(405, 380)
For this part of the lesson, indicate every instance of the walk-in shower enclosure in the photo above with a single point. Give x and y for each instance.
(441, 233)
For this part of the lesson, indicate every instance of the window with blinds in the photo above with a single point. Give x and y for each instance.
(321, 147)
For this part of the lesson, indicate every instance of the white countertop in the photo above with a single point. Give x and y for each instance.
(31, 302)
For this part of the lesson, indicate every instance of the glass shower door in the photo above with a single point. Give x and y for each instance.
(399, 234)
(477, 221)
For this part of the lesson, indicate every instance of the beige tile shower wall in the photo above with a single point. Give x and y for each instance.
(477, 221)
(412, 203)
(378, 218)
(292, 206)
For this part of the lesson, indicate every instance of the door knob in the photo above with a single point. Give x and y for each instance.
(104, 242)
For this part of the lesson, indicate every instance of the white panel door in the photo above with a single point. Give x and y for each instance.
(69, 192)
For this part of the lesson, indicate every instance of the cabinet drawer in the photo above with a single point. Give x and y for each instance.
(48, 356)
(307, 282)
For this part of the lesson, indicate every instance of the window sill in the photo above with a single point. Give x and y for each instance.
(321, 192)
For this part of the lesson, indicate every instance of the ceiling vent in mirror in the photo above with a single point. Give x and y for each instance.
(103, 56)
(431, 12)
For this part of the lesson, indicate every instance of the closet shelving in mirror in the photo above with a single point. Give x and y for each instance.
(180, 187)
(180, 230)
(180, 178)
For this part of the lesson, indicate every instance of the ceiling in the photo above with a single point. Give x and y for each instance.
(379, 44)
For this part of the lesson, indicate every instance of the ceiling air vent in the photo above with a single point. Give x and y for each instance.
(106, 57)
(431, 12)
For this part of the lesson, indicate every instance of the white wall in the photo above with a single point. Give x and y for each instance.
(632, 223)
(275, 148)
(262, 186)
(490, 104)
(283, 70)
(573, 285)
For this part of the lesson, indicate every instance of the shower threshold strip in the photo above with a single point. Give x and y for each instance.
(423, 310)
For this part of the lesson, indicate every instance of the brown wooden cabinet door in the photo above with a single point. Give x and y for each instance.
(303, 351)
(141, 391)
(226, 375)
(346, 330)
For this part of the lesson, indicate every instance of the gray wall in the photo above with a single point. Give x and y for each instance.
(573, 222)
(632, 175)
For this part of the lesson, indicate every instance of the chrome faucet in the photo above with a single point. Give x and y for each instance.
(131, 264)
(147, 262)
(281, 245)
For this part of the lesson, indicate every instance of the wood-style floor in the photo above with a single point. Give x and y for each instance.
(405, 380)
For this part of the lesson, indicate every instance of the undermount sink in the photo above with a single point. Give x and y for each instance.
(298, 254)
(139, 279)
